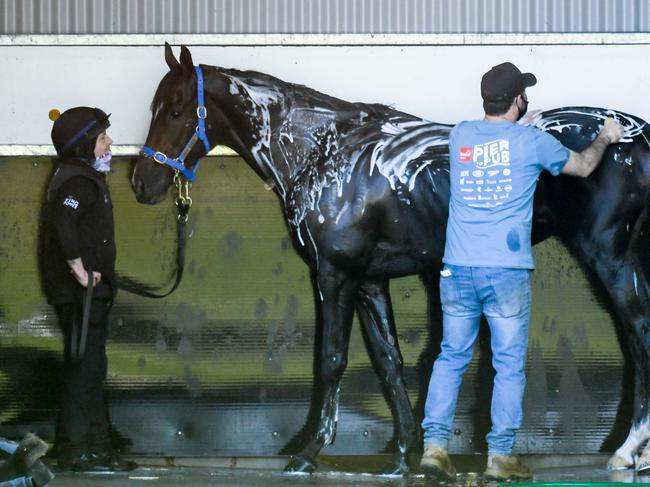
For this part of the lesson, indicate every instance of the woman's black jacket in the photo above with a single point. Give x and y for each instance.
(78, 223)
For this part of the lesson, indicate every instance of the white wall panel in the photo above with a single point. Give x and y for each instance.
(439, 83)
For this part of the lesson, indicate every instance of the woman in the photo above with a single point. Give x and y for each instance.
(79, 270)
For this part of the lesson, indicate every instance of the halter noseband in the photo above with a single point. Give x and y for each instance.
(178, 164)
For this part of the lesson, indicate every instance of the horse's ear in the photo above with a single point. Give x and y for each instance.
(186, 60)
(171, 60)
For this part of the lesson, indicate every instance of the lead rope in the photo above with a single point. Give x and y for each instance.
(183, 205)
(78, 345)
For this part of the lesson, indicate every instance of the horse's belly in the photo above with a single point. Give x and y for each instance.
(389, 261)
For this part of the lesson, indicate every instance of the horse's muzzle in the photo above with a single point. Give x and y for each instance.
(149, 184)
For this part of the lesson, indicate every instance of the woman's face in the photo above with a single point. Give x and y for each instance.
(103, 144)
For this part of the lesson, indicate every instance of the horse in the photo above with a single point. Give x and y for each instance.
(365, 188)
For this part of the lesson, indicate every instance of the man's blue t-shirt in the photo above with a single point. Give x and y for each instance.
(494, 169)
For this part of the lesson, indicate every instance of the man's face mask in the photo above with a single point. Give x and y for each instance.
(103, 163)
(524, 107)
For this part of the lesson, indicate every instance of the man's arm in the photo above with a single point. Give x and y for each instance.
(583, 163)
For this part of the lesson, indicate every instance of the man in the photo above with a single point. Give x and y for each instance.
(79, 270)
(494, 166)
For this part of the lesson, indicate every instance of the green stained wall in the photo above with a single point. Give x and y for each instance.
(229, 356)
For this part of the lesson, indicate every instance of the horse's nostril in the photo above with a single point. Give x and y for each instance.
(138, 187)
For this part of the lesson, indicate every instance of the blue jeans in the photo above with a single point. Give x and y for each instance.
(504, 297)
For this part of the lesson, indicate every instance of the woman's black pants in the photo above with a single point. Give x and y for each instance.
(83, 418)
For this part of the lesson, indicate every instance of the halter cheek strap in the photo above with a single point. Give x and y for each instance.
(178, 164)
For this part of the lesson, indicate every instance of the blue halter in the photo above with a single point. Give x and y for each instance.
(178, 164)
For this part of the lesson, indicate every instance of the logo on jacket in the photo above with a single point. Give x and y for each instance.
(71, 202)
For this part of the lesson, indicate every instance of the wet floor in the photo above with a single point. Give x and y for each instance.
(269, 474)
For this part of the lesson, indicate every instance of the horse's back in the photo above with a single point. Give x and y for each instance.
(580, 208)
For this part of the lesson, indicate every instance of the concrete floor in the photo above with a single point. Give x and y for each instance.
(336, 471)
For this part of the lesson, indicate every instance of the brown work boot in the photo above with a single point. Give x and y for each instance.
(435, 461)
(506, 467)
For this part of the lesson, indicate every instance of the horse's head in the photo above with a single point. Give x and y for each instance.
(175, 119)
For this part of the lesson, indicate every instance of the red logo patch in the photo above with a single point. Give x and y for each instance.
(465, 154)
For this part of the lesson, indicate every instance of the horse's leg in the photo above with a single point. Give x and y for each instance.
(627, 283)
(637, 328)
(639, 346)
(338, 291)
(635, 314)
(376, 316)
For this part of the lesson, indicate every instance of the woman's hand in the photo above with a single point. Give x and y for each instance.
(80, 274)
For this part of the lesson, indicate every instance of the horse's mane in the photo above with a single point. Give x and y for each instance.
(310, 96)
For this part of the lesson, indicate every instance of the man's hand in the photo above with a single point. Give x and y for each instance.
(583, 163)
(612, 131)
(80, 274)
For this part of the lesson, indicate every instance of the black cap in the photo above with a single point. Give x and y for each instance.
(504, 81)
(77, 125)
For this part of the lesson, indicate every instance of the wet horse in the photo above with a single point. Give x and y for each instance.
(605, 221)
(365, 188)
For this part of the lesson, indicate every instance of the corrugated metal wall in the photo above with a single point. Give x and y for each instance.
(321, 16)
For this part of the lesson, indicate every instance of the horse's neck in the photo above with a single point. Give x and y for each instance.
(251, 135)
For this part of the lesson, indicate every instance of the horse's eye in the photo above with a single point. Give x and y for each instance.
(175, 114)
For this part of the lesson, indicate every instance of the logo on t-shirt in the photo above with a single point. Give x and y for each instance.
(490, 154)
(465, 154)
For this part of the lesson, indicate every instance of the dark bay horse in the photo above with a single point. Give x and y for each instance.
(365, 189)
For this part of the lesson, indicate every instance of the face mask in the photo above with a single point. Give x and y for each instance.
(524, 109)
(103, 163)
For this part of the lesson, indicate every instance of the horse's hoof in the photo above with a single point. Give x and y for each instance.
(642, 466)
(299, 464)
(619, 463)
